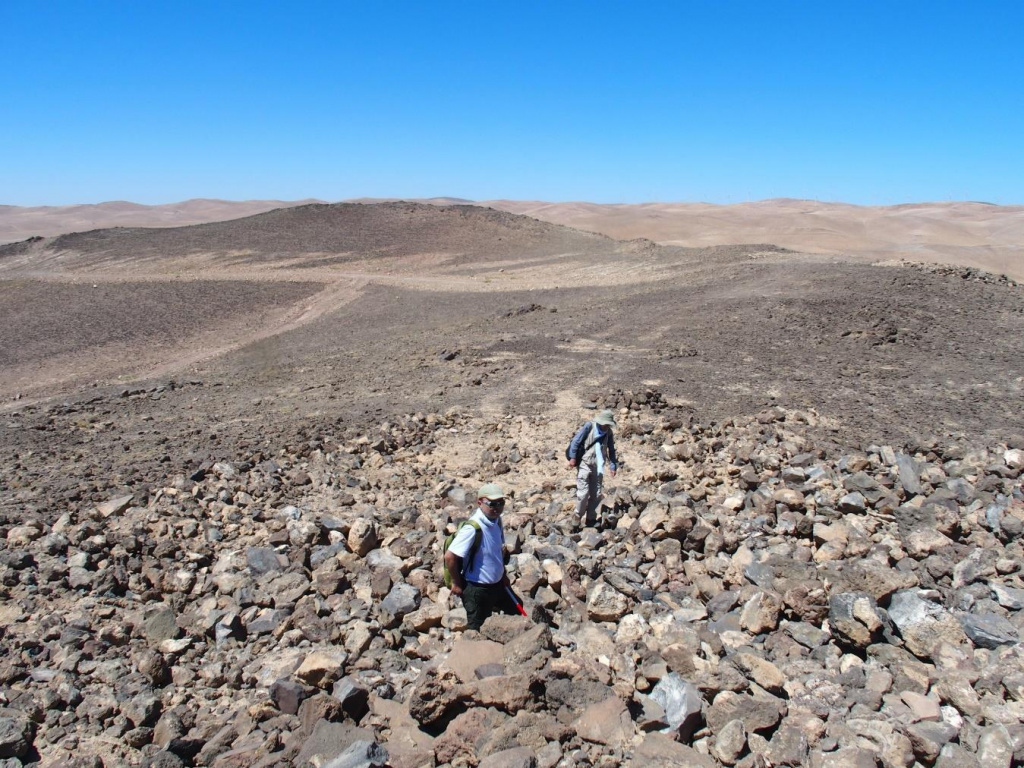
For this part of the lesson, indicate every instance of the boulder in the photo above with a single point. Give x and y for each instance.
(657, 750)
(923, 624)
(607, 722)
(517, 757)
(17, 733)
(761, 613)
(468, 655)
(605, 603)
(989, 630)
(363, 536)
(403, 598)
(757, 714)
(855, 619)
(322, 667)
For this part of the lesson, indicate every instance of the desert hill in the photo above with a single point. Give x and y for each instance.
(979, 235)
(332, 233)
(230, 453)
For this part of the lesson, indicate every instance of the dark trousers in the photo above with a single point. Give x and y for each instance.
(481, 600)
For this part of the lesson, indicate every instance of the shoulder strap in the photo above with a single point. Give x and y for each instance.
(478, 536)
(590, 443)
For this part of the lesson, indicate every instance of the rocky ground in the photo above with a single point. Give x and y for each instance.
(812, 555)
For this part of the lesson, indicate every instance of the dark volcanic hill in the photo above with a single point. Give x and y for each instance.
(342, 231)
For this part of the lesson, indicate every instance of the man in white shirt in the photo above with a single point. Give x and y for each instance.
(478, 570)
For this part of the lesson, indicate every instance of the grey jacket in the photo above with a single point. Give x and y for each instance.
(585, 436)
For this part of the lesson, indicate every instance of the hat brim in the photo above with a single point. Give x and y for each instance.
(491, 491)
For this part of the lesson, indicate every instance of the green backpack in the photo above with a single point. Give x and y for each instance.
(469, 556)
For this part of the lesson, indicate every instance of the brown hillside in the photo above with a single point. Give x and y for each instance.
(332, 233)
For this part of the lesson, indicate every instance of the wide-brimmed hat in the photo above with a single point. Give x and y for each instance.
(490, 491)
(606, 418)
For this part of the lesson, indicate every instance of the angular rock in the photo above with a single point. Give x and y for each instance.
(924, 541)
(855, 619)
(854, 503)
(263, 560)
(989, 630)
(605, 603)
(788, 746)
(660, 751)
(923, 624)
(761, 613)
(288, 695)
(1008, 597)
(468, 655)
(681, 702)
(757, 714)
(511, 693)
(322, 667)
(360, 754)
(354, 697)
(909, 474)
(434, 695)
(464, 733)
(402, 599)
(995, 747)
(517, 757)
(328, 741)
(114, 506)
(761, 671)
(363, 537)
(846, 757)
(730, 742)
(161, 626)
(17, 733)
(928, 739)
(607, 722)
(409, 747)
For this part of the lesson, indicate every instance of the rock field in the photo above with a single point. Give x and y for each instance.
(813, 554)
(749, 599)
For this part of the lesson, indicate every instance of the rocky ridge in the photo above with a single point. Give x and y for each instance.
(752, 597)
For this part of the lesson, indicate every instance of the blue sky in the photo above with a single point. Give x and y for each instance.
(717, 101)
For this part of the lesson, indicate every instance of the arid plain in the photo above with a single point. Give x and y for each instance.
(229, 450)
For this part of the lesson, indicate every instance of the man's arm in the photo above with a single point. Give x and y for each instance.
(454, 564)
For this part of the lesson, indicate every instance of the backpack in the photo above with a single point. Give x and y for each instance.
(587, 446)
(469, 555)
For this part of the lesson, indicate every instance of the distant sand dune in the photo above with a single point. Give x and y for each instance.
(19, 223)
(989, 237)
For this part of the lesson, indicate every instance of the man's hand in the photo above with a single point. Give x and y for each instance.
(572, 463)
(454, 564)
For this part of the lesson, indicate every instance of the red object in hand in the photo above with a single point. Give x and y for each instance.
(516, 600)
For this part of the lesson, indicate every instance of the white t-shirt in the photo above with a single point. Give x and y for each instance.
(488, 561)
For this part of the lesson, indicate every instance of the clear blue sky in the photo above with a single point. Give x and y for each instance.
(719, 100)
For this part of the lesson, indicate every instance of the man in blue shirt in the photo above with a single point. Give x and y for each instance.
(592, 453)
(478, 571)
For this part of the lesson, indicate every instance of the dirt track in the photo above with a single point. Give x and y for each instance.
(540, 320)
